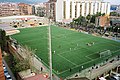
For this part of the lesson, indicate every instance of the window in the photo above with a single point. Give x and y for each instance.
(90, 8)
(71, 9)
(76, 10)
(80, 8)
(85, 9)
(64, 6)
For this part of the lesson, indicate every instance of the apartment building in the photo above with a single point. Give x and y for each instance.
(52, 9)
(103, 21)
(8, 9)
(118, 9)
(66, 10)
(25, 9)
(40, 9)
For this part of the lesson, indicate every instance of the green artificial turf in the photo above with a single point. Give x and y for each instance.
(71, 49)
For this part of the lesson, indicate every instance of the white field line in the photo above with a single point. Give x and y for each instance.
(88, 57)
(80, 48)
(78, 65)
(77, 49)
(72, 49)
(84, 63)
(67, 60)
(116, 51)
(93, 53)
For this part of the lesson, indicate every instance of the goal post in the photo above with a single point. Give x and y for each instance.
(105, 53)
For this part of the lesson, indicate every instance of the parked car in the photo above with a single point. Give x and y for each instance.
(7, 75)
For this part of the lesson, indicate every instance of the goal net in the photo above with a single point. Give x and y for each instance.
(105, 53)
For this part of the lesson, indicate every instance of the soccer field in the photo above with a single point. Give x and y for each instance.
(70, 49)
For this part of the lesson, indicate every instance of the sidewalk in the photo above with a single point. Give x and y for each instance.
(93, 73)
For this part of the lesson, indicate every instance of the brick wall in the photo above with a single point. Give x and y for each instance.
(2, 77)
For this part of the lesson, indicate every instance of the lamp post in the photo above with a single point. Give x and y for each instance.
(118, 30)
(49, 40)
(113, 29)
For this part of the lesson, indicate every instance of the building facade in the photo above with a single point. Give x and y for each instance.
(8, 9)
(25, 9)
(118, 9)
(40, 9)
(114, 21)
(2, 77)
(102, 21)
(69, 9)
(52, 8)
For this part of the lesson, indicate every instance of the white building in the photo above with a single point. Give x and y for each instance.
(40, 9)
(66, 10)
(41, 5)
(118, 9)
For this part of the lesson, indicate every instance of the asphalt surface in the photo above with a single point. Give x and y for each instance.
(9, 70)
(6, 27)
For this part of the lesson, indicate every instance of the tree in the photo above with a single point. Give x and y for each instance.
(91, 25)
(22, 65)
(99, 14)
(88, 21)
(88, 17)
(26, 62)
(29, 55)
(93, 19)
(103, 14)
(15, 26)
(114, 14)
(3, 39)
(19, 65)
(80, 21)
(71, 24)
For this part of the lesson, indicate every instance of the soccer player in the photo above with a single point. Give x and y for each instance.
(54, 52)
(77, 44)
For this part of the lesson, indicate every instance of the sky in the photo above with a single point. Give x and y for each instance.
(116, 2)
(37, 0)
(24, 1)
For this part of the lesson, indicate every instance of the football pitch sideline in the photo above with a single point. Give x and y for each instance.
(71, 51)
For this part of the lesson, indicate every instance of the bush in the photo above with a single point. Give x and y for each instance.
(20, 65)
(15, 26)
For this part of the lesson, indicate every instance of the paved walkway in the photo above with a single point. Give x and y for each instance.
(93, 73)
(96, 72)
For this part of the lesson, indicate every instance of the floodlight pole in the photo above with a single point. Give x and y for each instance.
(50, 52)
